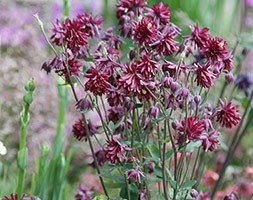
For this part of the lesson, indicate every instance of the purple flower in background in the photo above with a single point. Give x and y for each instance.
(134, 175)
(84, 194)
(244, 82)
(79, 130)
(100, 156)
(248, 3)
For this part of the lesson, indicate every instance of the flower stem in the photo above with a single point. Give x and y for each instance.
(24, 121)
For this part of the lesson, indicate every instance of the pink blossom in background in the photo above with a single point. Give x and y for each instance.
(249, 3)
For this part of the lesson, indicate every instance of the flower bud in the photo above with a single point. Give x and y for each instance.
(230, 78)
(30, 86)
(132, 54)
(153, 112)
(28, 98)
(197, 99)
(175, 124)
(174, 86)
(194, 193)
(150, 166)
(183, 94)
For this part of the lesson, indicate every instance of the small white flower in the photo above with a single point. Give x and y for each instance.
(3, 149)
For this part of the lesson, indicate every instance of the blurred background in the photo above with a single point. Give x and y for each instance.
(23, 50)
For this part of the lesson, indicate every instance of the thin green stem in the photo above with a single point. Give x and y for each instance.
(127, 188)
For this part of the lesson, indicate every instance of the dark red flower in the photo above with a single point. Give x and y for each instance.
(194, 129)
(145, 31)
(59, 33)
(100, 156)
(83, 105)
(84, 194)
(126, 26)
(113, 40)
(210, 141)
(199, 36)
(164, 44)
(228, 62)
(135, 83)
(91, 25)
(169, 67)
(74, 66)
(55, 64)
(127, 6)
(12, 197)
(115, 151)
(215, 49)
(79, 131)
(146, 67)
(159, 13)
(228, 115)
(75, 37)
(115, 113)
(115, 97)
(205, 77)
(97, 83)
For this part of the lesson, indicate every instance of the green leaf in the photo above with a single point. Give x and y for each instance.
(188, 184)
(169, 154)
(191, 147)
(158, 172)
(119, 179)
(22, 158)
(154, 152)
(138, 105)
(100, 197)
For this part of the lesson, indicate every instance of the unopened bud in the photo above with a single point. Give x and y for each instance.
(230, 78)
(197, 99)
(132, 54)
(194, 194)
(30, 86)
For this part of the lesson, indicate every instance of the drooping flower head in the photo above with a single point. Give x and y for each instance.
(100, 157)
(97, 83)
(134, 82)
(59, 33)
(194, 128)
(75, 36)
(205, 77)
(210, 141)
(12, 197)
(159, 13)
(145, 31)
(115, 151)
(228, 115)
(84, 194)
(164, 44)
(134, 175)
(92, 25)
(199, 36)
(146, 67)
(79, 131)
(215, 49)
(124, 7)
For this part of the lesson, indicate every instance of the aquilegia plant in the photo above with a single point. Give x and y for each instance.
(157, 116)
